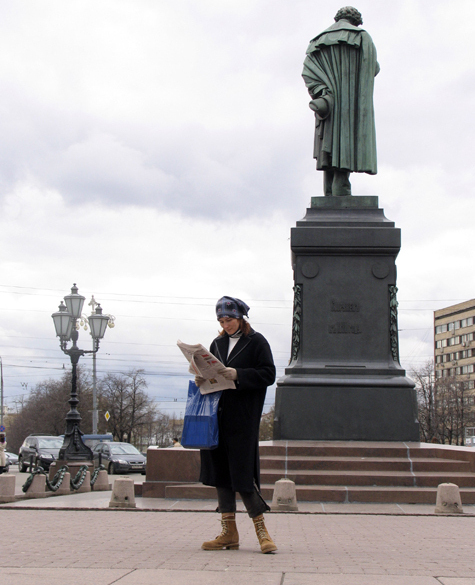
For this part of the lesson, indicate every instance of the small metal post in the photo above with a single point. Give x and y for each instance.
(94, 395)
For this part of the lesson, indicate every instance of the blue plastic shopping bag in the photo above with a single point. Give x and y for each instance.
(200, 428)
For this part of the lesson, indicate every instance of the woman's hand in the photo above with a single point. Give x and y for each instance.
(199, 380)
(228, 373)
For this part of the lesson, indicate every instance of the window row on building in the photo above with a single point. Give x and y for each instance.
(454, 325)
(456, 340)
(451, 372)
(456, 355)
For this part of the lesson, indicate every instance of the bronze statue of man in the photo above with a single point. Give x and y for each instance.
(339, 72)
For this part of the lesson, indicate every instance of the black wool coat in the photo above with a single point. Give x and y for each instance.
(235, 462)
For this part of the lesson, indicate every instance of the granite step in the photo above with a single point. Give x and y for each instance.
(325, 493)
(335, 449)
(369, 478)
(295, 463)
(331, 471)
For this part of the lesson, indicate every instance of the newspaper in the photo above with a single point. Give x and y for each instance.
(204, 364)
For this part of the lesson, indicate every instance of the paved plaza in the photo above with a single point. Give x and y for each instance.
(77, 539)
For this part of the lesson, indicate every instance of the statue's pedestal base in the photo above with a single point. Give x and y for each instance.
(345, 413)
(345, 381)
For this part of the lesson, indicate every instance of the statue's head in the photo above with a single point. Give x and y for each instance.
(350, 14)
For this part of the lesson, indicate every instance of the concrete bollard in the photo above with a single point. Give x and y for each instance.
(284, 497)
(102, 482)
(448, 499)
(123, 494)
(86, 484)
(37, 488)
(7, 488)
(64, 489)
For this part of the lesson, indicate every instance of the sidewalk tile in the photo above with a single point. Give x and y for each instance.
(352, 579)
(223, 577)
(27, 576)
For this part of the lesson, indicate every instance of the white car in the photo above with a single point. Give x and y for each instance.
(4, 462)
(12, 457)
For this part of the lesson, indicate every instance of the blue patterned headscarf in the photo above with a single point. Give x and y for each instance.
(231, 307)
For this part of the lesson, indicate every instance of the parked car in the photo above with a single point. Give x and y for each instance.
(12, 457)
(119, 458)
(4, 462)
(92, 440)
(45, 448)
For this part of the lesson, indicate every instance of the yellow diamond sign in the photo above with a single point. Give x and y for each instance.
(107, 415)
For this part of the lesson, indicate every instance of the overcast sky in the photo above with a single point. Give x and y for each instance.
(157, 153)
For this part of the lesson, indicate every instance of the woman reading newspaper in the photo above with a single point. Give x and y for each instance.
(234, 465)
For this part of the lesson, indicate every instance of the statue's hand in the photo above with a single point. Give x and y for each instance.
(320, 107)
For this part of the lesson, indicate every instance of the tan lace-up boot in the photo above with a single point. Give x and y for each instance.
(266, 542)
(229, 537)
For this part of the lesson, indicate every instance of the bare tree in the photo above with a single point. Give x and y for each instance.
(45, 409)
(455, 414)
(124, 397)
(133, 416)
(163, 428)
(443, 407)
(266, 429)
(426, 399)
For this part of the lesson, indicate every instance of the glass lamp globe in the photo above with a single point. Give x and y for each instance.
(63, 322)
(74, 302)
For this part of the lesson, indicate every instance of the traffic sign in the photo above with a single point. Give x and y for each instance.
(107, 416)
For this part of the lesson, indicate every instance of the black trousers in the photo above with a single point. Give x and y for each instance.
(253, 501)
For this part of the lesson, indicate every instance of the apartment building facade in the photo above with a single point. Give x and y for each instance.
(454, 347)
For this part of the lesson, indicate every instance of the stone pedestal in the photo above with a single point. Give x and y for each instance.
(170, 467)
(7, 488)
(73, 467)
(345, 381)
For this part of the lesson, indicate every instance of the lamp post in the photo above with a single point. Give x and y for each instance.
(65, 319)
(84, 322)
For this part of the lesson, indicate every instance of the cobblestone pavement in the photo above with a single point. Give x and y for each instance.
(136, 547)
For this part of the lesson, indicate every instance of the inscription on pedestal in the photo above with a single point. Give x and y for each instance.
(344, 307)
(344, 328)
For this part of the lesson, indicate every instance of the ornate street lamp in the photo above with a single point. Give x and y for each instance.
(65, 322)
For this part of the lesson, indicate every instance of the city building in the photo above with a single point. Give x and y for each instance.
(454, 347)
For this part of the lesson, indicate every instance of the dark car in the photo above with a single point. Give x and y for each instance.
(43, 448)
(119, 458)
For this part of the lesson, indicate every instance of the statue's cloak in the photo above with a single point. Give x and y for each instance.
(341, 65)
